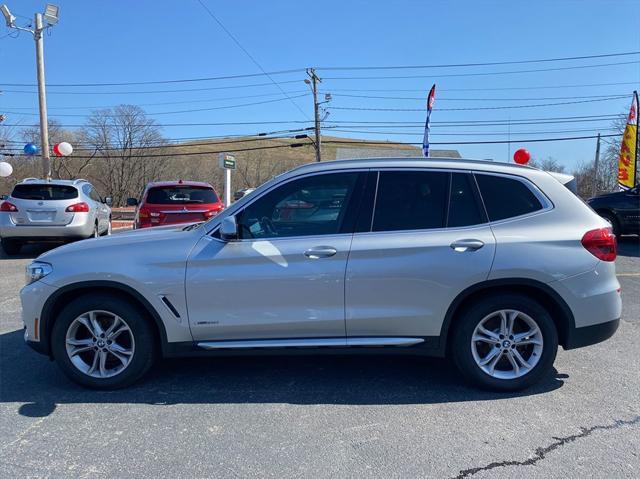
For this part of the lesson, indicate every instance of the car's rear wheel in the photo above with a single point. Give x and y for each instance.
(506, 342)
(11, 246)
(103, 342)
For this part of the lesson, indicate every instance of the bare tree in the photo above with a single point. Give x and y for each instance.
(126, 142)
(548, 164)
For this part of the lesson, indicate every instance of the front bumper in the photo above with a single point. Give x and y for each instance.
(80, 227)
(33, 297)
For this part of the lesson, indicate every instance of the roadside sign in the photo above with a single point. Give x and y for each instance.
(227, 161)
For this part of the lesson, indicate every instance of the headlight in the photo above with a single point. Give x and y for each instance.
(36, 271)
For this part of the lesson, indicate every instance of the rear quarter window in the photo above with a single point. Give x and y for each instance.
(44, 192)
(506, 197)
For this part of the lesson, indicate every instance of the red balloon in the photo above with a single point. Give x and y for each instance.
(521, 156)
(56, 151)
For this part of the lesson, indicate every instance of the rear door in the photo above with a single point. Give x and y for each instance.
(424, 240)
(43, 204)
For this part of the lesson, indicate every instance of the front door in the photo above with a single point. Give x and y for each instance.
(284, 276)
(426, 241)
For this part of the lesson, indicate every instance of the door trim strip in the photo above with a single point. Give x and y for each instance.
(310, 342)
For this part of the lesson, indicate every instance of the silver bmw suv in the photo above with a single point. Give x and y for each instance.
(54, 210)
(493, 265)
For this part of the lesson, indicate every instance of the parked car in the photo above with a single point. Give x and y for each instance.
(621, 209)
(175, 202)
(492, 264)
(52, 211)
(242, 193)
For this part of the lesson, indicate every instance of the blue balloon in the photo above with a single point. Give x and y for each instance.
(30, 149)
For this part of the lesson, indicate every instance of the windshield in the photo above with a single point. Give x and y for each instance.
(179, 195)
(44, 192)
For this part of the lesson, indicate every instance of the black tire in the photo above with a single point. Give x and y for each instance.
(615, 224)
(11, 246)
(145, 341)
(473, 315)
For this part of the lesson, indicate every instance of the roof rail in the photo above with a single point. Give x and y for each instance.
(80, 180)
(29, 179)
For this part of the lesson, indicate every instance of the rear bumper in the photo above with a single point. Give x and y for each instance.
(596, 333)
(80, 227)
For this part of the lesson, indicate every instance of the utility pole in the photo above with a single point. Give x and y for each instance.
(42, 99)
(316, 108)
(42, 22)
(595, 167)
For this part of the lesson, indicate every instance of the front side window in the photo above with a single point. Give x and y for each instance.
(411, 200)
(506, 197)
(315, 205)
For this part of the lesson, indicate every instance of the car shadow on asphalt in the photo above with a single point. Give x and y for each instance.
(629, 246)
(30, 251)
(29, 378)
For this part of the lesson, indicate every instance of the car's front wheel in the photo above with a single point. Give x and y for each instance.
(103, 342)
(505, 342)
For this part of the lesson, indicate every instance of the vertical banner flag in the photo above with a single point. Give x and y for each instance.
(425, 141)
(628, 160)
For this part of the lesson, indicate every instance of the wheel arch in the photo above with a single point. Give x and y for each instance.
(544, 294)
(56, 302)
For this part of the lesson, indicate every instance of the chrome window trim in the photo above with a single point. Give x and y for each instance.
(277, 185)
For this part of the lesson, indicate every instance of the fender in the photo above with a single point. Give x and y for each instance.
(46, 316)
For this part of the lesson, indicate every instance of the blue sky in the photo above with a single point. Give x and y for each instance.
(125, 41)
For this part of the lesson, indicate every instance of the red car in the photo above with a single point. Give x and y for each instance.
(175, 202)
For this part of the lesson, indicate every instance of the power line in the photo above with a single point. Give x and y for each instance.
(202, 100)
(250, 56)
(194, 110)
(151, 92)
(480, 108)
(452, 75)
(422, 98)
(161, 82)
(472, 133)
(489, 142)
(455, 65)
(531, 87)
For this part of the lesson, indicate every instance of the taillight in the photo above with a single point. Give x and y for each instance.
(8, 207)
(144, 218)
(601, 243)
(78, 208)
(213, 211)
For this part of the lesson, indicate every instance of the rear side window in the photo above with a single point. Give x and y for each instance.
(180, 195)
(44, 192)
(410, 200)
(464, 209)
(506, 197)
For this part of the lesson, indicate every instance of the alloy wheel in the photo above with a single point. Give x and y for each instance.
(100, 344)
(507, 344)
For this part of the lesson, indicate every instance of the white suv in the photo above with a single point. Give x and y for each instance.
(491, 264)
(54, 210)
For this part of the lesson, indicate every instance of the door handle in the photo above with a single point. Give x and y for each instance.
(466, 245)
(320, 252)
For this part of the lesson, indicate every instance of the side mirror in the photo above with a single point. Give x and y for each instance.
(108, 201)
(229, 229)
(132, 202)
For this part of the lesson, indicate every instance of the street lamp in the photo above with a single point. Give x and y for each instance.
(50, 16)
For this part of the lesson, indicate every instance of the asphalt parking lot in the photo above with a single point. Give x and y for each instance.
(322, 416)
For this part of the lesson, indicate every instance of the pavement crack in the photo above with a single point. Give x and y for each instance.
(541, 452)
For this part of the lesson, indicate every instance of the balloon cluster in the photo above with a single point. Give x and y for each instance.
(30, 149)
(62, 149)
(5, 169)
(521, 156)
